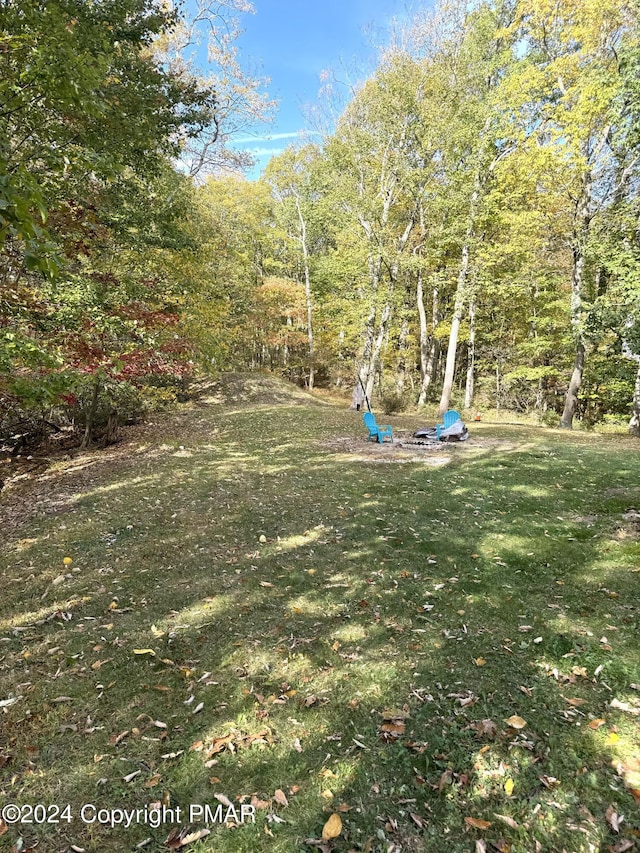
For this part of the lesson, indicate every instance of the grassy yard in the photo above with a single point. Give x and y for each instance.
(443, 653)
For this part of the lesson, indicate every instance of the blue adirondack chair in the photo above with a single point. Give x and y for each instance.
(375, 431)
(448, 420)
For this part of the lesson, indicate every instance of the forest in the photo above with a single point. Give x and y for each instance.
(466, 232)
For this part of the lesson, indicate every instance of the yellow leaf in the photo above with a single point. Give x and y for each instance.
(67, 561)
(508, 787)
(327, 795)
(612, 738)
(476, 823)
(332, 828)
(479, 661)
(516, 722)
(143, 652)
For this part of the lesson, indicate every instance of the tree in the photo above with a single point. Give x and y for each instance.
(295, 178)
(572, 69)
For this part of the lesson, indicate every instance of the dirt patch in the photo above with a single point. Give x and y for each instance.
(389, 452)
(403, 451)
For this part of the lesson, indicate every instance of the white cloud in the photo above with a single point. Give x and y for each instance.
(275, 136)
(264, 152)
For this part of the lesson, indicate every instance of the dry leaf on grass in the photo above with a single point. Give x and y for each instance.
(516, 722)
(178, 838)
(614, 819)
(508, 820)
(477, 823)
(332, 828)
(281, 798)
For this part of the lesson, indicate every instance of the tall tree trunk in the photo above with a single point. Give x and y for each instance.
(429, 354)
(424, 340)
(91, 414)
(374, 341)
(403, 337)
(468, 391)
(461, 289)
(571, 400)
(634, 423)
(450, 364)
(374, 363)
(582, 222)
(307, 291)
(581, 230)
(370, 324)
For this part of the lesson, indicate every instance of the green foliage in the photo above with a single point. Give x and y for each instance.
(393, 400)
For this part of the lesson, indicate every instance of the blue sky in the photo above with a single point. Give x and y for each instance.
(293, 42)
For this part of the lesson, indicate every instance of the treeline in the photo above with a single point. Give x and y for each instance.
(467, 234)
(103, 124)
(470, 231)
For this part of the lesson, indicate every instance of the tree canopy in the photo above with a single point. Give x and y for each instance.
(466, 234)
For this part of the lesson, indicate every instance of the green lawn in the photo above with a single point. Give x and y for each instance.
(444, 652)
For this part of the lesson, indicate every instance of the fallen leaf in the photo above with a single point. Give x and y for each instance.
(477, 823)
(189, 838)
(144, 652)
(622, 846)
(508, 787)
(479, 661)
(624, 706)
(614, 819)
(280, 797)
(595, 724)
(484, 728)
(151, 783)
(516, 722)
(392, 730)
(445, 779)
(131, 776)
(114, 740)
(222, 798)
(332, 828)
(508, 820)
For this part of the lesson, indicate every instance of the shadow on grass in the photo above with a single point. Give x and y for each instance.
(287, 591)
